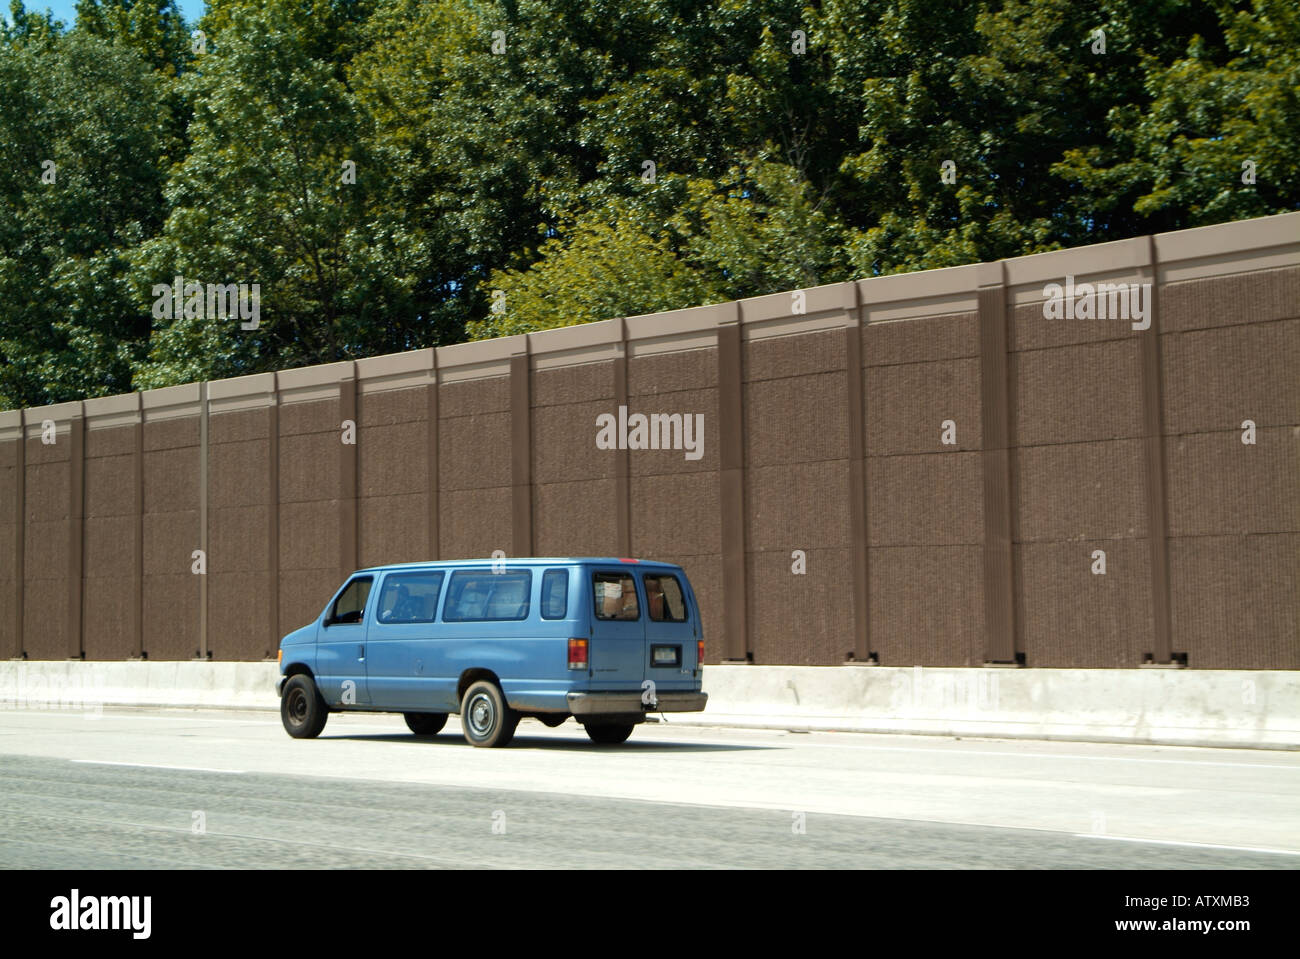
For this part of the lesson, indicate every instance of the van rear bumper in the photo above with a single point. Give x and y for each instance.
(597, 704)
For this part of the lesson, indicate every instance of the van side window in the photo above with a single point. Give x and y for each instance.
(409, 597)
(615, 596)
(476, 596)
(351, 604)
(555, 594)
(663, 598)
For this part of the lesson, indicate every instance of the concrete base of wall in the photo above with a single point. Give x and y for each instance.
(76, 685)
(1256, 708)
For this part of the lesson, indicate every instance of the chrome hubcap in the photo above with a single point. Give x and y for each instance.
(480, 715)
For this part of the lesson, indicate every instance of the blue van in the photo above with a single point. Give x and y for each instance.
(605, 641)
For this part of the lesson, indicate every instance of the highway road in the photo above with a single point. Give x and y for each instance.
(221, 789)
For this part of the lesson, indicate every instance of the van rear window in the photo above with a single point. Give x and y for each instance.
(478, 596)
(663, 598)
(615, 596)
(555, 594)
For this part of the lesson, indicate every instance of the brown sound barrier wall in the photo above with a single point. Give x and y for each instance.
(922, 469)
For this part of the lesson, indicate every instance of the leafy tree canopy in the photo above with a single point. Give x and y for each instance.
(391, 173)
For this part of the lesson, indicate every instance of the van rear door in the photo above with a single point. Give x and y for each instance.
(672, 630)
(617, 649)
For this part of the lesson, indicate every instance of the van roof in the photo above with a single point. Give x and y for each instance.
(526, 561)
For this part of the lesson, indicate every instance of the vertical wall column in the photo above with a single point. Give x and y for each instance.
(622, 459)
(273, 512)
(1153, 451)
(137, 553)
(431, 440)
(731, 492)
(857, 446)
(995, 419)
(76, 529)
(204, 535)
(348, 465)
(20, 535)
(521, 451)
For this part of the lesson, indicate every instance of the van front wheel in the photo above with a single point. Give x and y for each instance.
(609, 734)
(485, 717)
(425, 724)
(302, 710)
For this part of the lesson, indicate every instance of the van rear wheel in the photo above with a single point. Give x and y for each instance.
(485, 717)
(609, 734)
(302, 710)
(425, 724)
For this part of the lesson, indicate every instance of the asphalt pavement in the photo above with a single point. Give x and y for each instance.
(220, 789)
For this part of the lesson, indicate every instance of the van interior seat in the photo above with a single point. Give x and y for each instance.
(508, 601)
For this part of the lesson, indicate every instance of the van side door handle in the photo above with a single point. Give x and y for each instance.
(361, 652)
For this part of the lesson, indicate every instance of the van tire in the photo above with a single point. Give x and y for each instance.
(302, 710)
(609, 734)
(485, 717)
(425, 724)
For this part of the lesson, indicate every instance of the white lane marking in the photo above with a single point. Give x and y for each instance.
(1193, 845)
(958, 751)
(192, 769)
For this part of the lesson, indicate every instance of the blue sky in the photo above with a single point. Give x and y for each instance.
(66, 10)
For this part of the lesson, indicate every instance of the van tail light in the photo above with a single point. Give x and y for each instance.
(577, 654)
(699, 661)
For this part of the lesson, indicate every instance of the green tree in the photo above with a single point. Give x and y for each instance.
(759, 230)
(278, 190)
(1220, 115)
(495, 155)
(154, 28)
(24, 27)
(83, 125)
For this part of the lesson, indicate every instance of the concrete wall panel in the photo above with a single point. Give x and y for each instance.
(906, 406)
(475, 522)
(474, 451)
(392, 529)
(1219, 485)
(675, 514)
(800, 617)
(1077, 393)
(797, 506)
(927, 605)
(574, 519)
(929, 500)
(1078, 491)
(1219, 377)
(920, 340)
(1071, 617)
(1234, 600)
